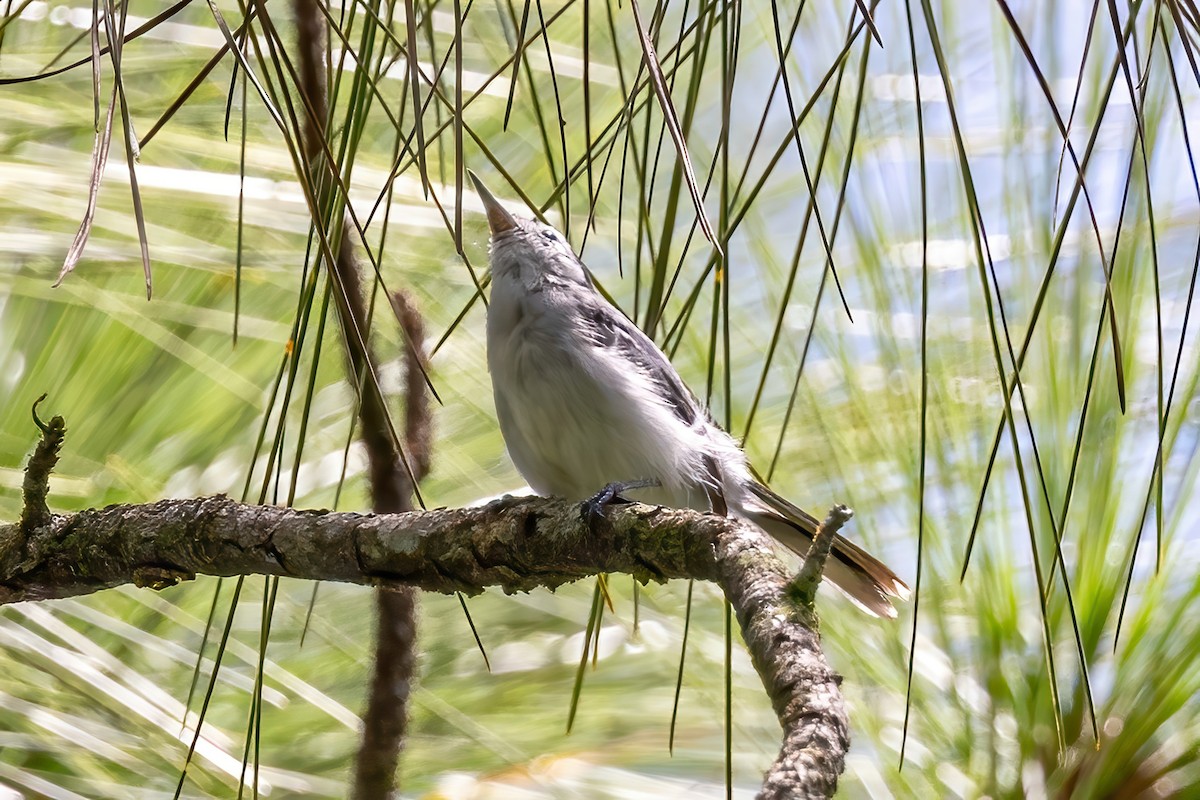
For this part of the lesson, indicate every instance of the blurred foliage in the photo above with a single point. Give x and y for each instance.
(160, 401)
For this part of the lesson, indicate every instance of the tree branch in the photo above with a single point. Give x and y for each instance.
(385, 717)
(36, 486)
(803, 689)
(392, 483)
(803, 587)
(516, 544)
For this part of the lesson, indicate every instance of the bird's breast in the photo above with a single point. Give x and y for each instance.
(574, 419)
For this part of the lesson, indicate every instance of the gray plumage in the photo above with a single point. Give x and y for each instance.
(586, 399)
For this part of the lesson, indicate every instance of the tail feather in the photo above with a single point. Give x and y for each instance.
(866, 580)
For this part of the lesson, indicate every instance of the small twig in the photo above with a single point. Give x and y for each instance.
(803, 588)
(35, 513)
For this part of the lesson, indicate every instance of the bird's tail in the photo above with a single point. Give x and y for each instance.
(861, 577)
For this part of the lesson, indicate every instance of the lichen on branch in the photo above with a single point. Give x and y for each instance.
(515, 544)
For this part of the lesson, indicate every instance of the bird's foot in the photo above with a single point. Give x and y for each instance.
(593, 508)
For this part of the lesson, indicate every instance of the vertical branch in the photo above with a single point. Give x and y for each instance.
(34, 511)
(385, 720)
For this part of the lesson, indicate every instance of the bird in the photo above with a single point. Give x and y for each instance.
(589, 407)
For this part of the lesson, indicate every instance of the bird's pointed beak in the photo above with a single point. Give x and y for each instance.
(499, 220)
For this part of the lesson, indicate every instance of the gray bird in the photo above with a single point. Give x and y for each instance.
(587, 402)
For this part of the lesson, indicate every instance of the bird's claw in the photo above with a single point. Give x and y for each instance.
(593, 508)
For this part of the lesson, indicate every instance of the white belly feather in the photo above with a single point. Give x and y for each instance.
(566, 411)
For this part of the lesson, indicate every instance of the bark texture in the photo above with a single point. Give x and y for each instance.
(785, 646)
(516, 544)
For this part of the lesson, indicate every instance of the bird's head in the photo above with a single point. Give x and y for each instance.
(527, 250)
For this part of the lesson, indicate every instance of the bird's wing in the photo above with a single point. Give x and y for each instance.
(611, 330)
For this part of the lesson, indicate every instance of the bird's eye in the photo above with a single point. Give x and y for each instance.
(550, 235)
